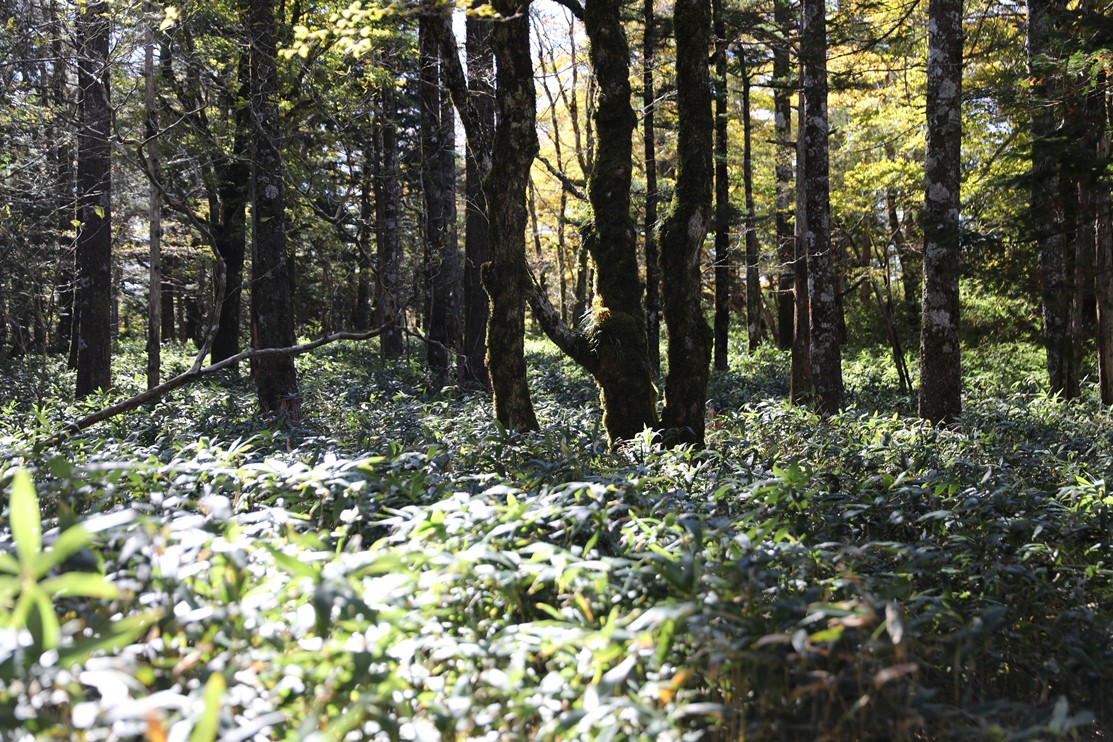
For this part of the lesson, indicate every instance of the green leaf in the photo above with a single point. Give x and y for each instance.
(8, 563)
(80, 584)
(26, 524)
(290, 564)
(120, 634)
(209, 724)
(42, 621)
(69, 543)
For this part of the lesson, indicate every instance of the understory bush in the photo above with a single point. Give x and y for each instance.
(398, 567)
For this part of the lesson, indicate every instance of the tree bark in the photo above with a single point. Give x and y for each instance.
(652, 264)
(782, 122)
(754, 329)
(506, 276)
(940, 370)
(724, 265)
(388, 206)
(94, 295)
(800, 389)
(689, 350)
(272, 313)
(1103, 253)
(824, 351)
(437, 185)
(477, 249)
(154, 283)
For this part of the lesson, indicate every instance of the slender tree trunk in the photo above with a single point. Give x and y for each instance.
(62, 163)
(361, 309)
(506, 276)
(824, 352)
(272, 313)
(911, 267)
(154, 299)
(724, 265)
(652, 264)
(438, 191)
(683, 232)
(754, 329)
(477, 249)
(94, 187)
(801, 383)
(782, 122)
(940, 371)
(1103, 253)
(388, 206)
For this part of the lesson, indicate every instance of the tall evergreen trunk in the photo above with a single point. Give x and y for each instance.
(388, 207)
(272, 315)
(782, 123)
(652, 260)
(1103, 250)
(62, 165)
(361, 308)
(477, 249)
(94, 294)
(800, 388)
(684, 229)
(506, 276)
(824, 352)
(724, 265)
(940, 370)
(438, 191)
(754, 325)
(154, 284)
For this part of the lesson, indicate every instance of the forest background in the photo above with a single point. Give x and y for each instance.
(380, 553)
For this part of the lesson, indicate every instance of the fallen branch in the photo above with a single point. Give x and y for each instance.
(199, 371)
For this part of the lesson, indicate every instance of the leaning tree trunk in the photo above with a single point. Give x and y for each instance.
(724, 265)
(782, 123)
(94, 187)
(825, 354)
(477, 249)
(682, 235)
(506, 276)
(272, 315)
(940, 371)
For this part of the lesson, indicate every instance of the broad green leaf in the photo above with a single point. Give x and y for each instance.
(206, 728)
(26, 524)
(80, 584)
(69, 543)
(290, 564)
(43, 622)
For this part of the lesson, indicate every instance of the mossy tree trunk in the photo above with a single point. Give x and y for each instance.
(685, 227)
(506, 276)
(272, 314)
(824, 352)
(940, 370)
(612, 347)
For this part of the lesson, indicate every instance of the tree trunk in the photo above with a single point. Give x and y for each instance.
(272, 315)
(154, 299)
(782, 122)
(477, 249)
(940, 371)
(438, 191)
(754, 306)
(724, 265)
(683, 232)
(94, 187)
(801, 383)
(824, 352)
(506, 276)
(388, 206)
(911, 267)
(652, 264)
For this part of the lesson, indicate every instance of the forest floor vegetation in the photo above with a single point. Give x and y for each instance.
(397, 566)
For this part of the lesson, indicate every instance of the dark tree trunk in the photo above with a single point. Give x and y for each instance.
(272, 315)
(438, 191)
(477, 249)
(684, 229)
(940, 371)
(824, 351)
(801, 380)
(782, 122)
(94, 296)
(1103, 253)
(361, 308)
(388, 206)
(506, 276)
(154, 203)
(724, 265)
(652, 260)
(168, 293)
(754, 327)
